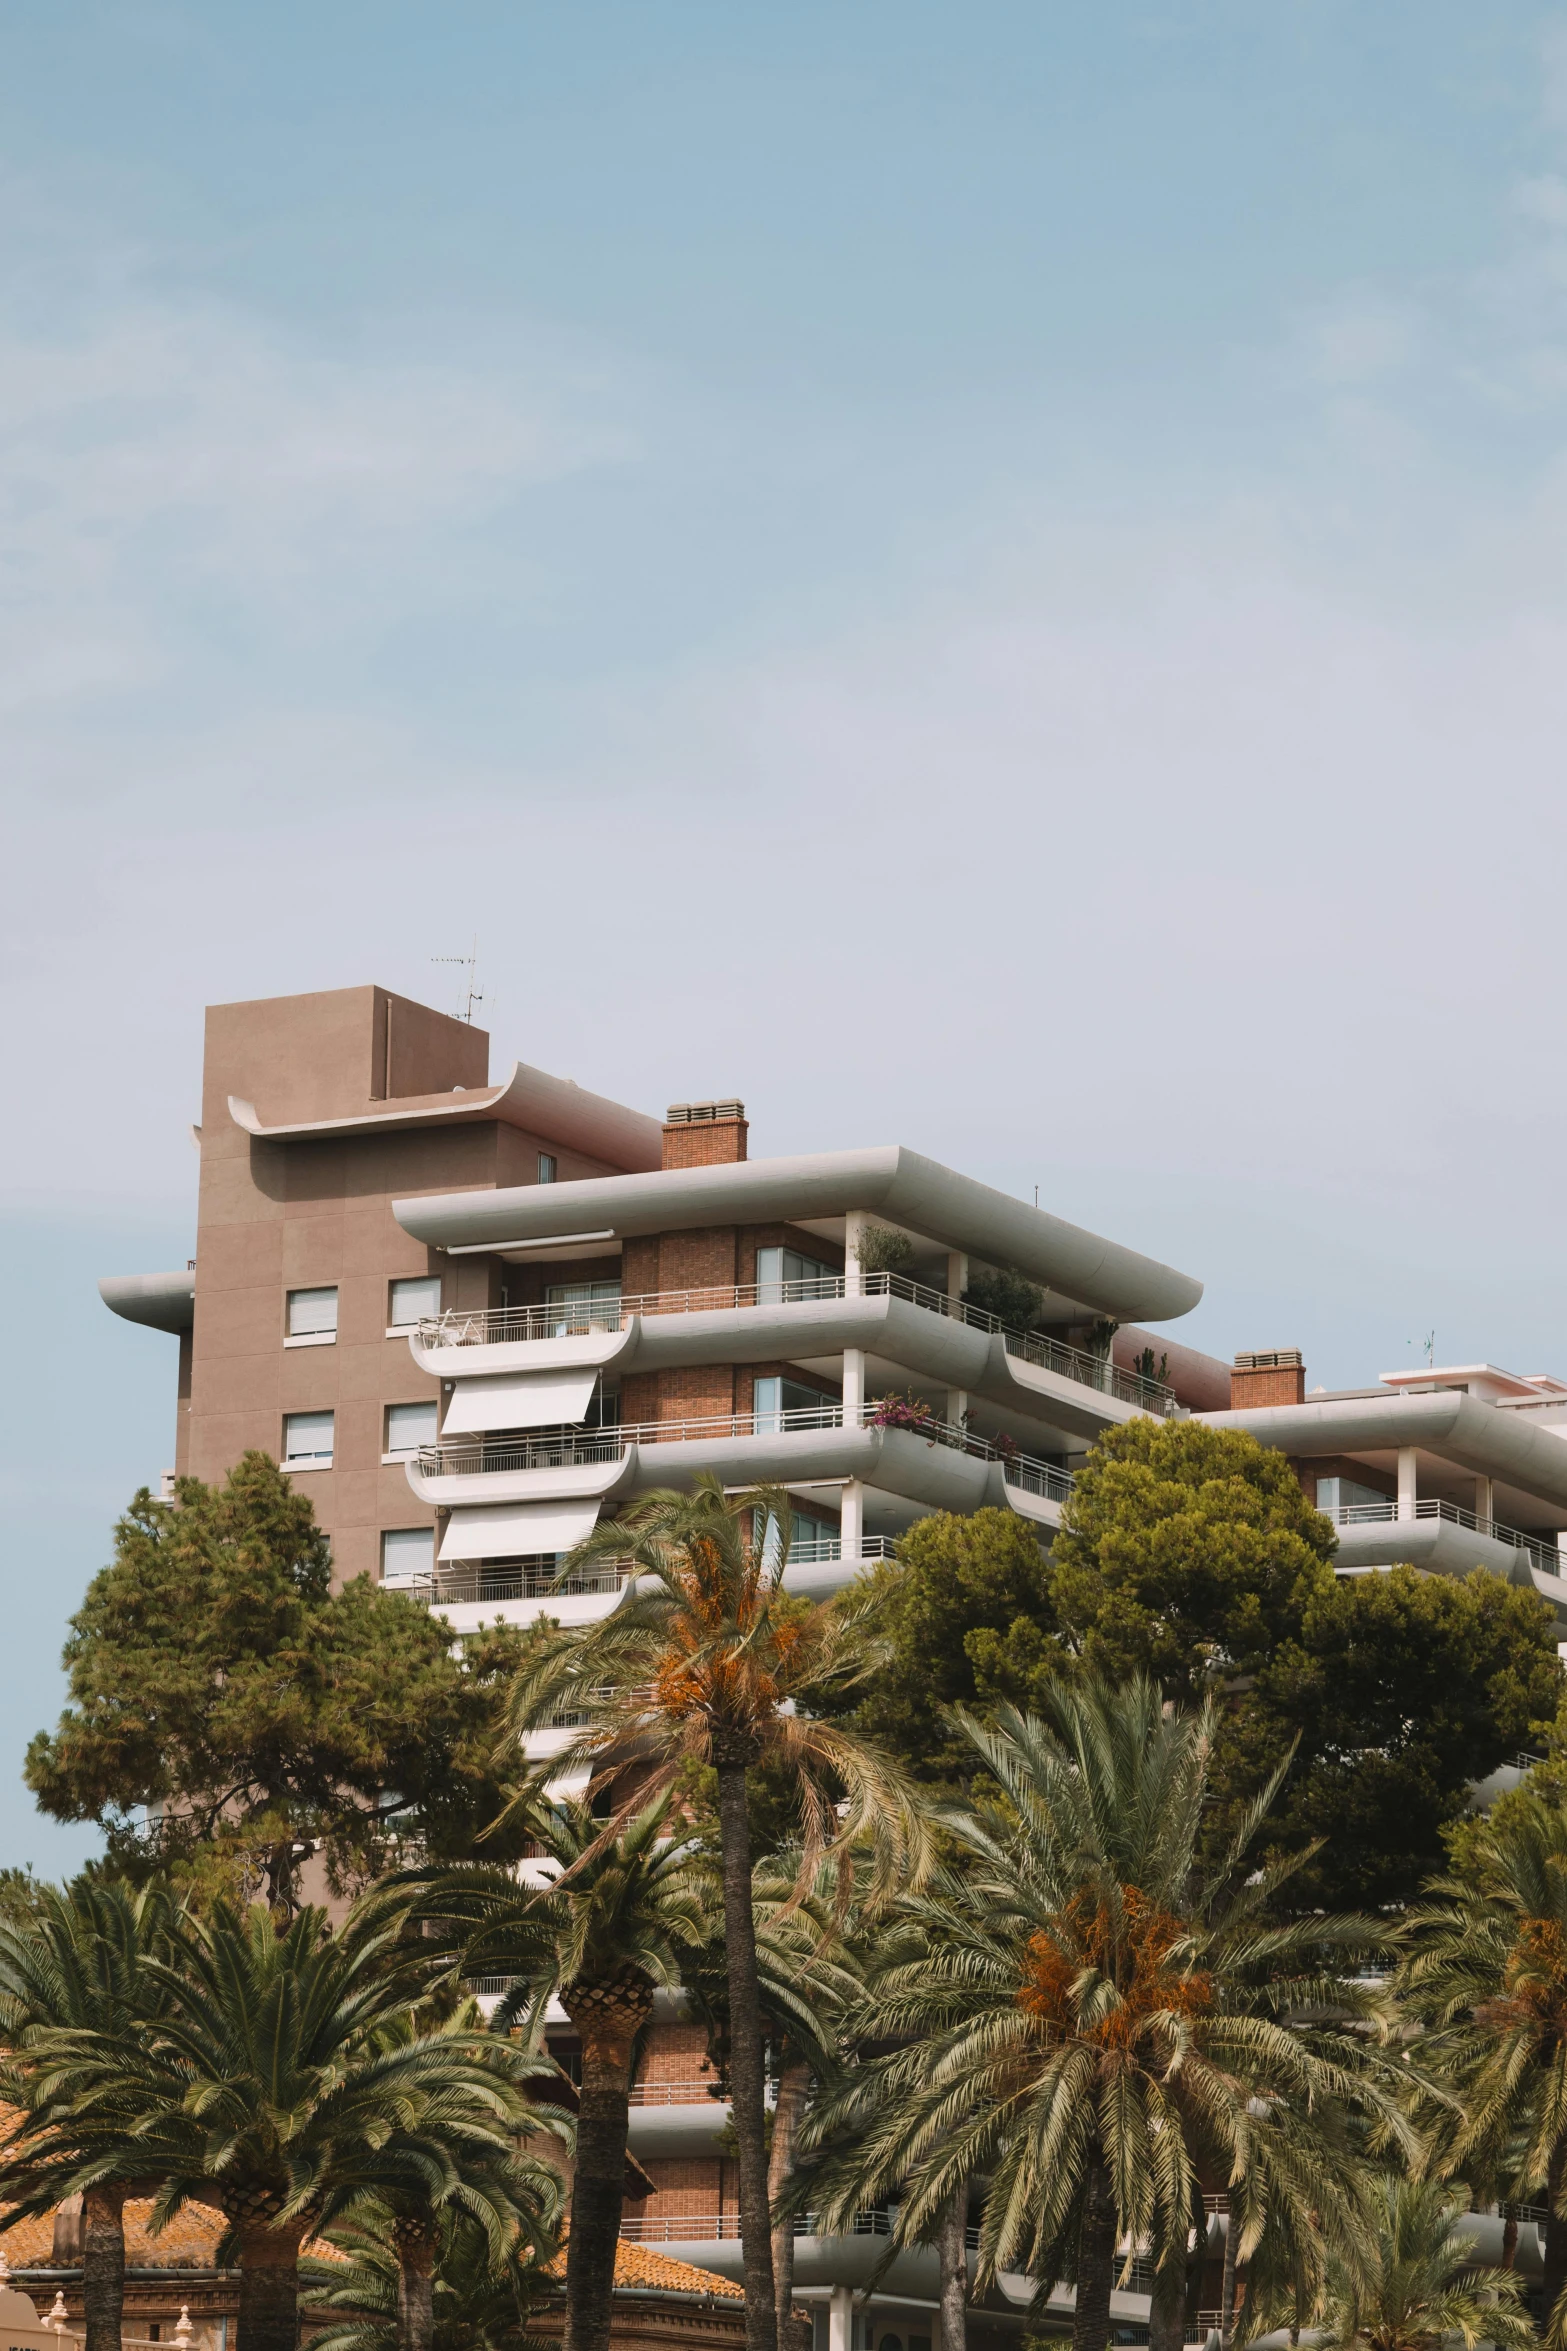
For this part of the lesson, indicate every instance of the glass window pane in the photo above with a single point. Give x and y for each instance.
(310, 1311)
(408, 1426)
(307, 1436)
(546, 1167)
(766, 1406)
(769, 1277)
(407, 1553)
(416, 1300)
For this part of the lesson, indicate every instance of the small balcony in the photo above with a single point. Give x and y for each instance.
(510, 1326)
(1539, 1551)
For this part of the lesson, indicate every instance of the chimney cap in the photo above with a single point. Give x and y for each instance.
(1271, 1359)
(702, 1114)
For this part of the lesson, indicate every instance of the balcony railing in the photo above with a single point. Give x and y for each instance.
(711, 2228)
(1541, 1549)
(573, 1448)
(502, 1580)
(509, 1325)
(698, 2093)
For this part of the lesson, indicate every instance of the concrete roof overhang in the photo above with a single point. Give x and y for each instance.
(554, 1108)
(1083, 1271)
(1456, 1428)
(163, 1301)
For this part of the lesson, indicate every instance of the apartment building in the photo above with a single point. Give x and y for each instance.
(1447, 1467)
(469, 1316)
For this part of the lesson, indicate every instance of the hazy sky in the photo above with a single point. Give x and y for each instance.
(991, 576)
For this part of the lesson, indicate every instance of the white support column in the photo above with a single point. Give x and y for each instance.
(1485, 1501)
(854, 1225)
(853, 1519)
(1406, 1481)
(840, 2319)
(853, 1386)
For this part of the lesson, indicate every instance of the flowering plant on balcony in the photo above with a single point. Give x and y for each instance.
(1006, 1450)
(898, 1412)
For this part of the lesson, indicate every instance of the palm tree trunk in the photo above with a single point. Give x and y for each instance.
(1232, 2230)
(745, 2054)
(794, 2081)
(1095, 2262)
(952, 2247)
(1167, 2310)
(269, 2288)
(1555, 2231)
(103, 2266)
(413, 2241)
(608, 2016)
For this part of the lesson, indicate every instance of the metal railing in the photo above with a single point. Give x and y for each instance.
(518, 1580)
(508, 1325)
(712, 2228)
(572, 1448)
(1541, 1549)
(698, 2093)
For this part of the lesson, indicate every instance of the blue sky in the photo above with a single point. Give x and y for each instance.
(991, 577)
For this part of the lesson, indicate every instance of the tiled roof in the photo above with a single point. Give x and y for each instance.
(189, 2241)
(639, 2266)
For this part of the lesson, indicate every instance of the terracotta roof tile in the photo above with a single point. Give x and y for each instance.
(639, 2265)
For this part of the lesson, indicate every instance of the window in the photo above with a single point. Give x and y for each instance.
(776, 1397)
(546, 1167)
(418, 1300)
(584, 1306)
(312, 1318)
(307, 1440)
(811, 1539)
(783, 1275)
(408, 1426)
(407, 1554)
(1352, 1504)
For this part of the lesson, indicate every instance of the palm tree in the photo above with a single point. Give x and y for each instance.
(603, 1936)
(479, 2304)
(1086, 2021)
(709, 1661)
(75, 1962)
(274, 2086)
(1487, 1974)
(1422, 2286)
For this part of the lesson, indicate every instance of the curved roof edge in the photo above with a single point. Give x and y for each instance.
(890, 1180)
(1462, 1430)
(556, 1108)
(163, 1301)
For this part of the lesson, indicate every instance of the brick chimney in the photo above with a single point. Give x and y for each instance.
(704, 1134)
(1275, 1376)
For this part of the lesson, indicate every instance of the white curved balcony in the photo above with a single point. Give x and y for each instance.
(904, 1322)
(926, 1461)
(1445, 1539)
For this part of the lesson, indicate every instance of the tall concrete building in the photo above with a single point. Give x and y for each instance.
(468, 1317)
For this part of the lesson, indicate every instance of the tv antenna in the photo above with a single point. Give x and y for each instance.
(470, 964)
(1428, 1346)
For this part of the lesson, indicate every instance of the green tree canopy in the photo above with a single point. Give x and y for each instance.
(969, 1616)
(1403, 1690)
(217, 1678)
(1186, 1550)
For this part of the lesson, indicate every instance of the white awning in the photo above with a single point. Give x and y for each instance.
(517, 1530)
(519, 1400)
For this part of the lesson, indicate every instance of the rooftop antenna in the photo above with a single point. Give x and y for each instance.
(470, 964)
(1428, 1343)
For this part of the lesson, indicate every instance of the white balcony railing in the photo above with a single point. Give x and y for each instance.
(696, 2093)
(446, 1587)
(572, 1448)
(1541, 1549)
(510, 1325)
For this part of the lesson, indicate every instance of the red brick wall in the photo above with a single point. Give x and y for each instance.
(1250, 1391)
(715, 1144)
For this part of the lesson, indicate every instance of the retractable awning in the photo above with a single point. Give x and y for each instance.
(519, 1400)
(516, 1530)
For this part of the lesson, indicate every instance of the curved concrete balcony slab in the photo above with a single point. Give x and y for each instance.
(928, 1469)
(162, 1301)
(1079, 1269)
(908, 1325)
(1443, 1545)
(1504, 1446)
